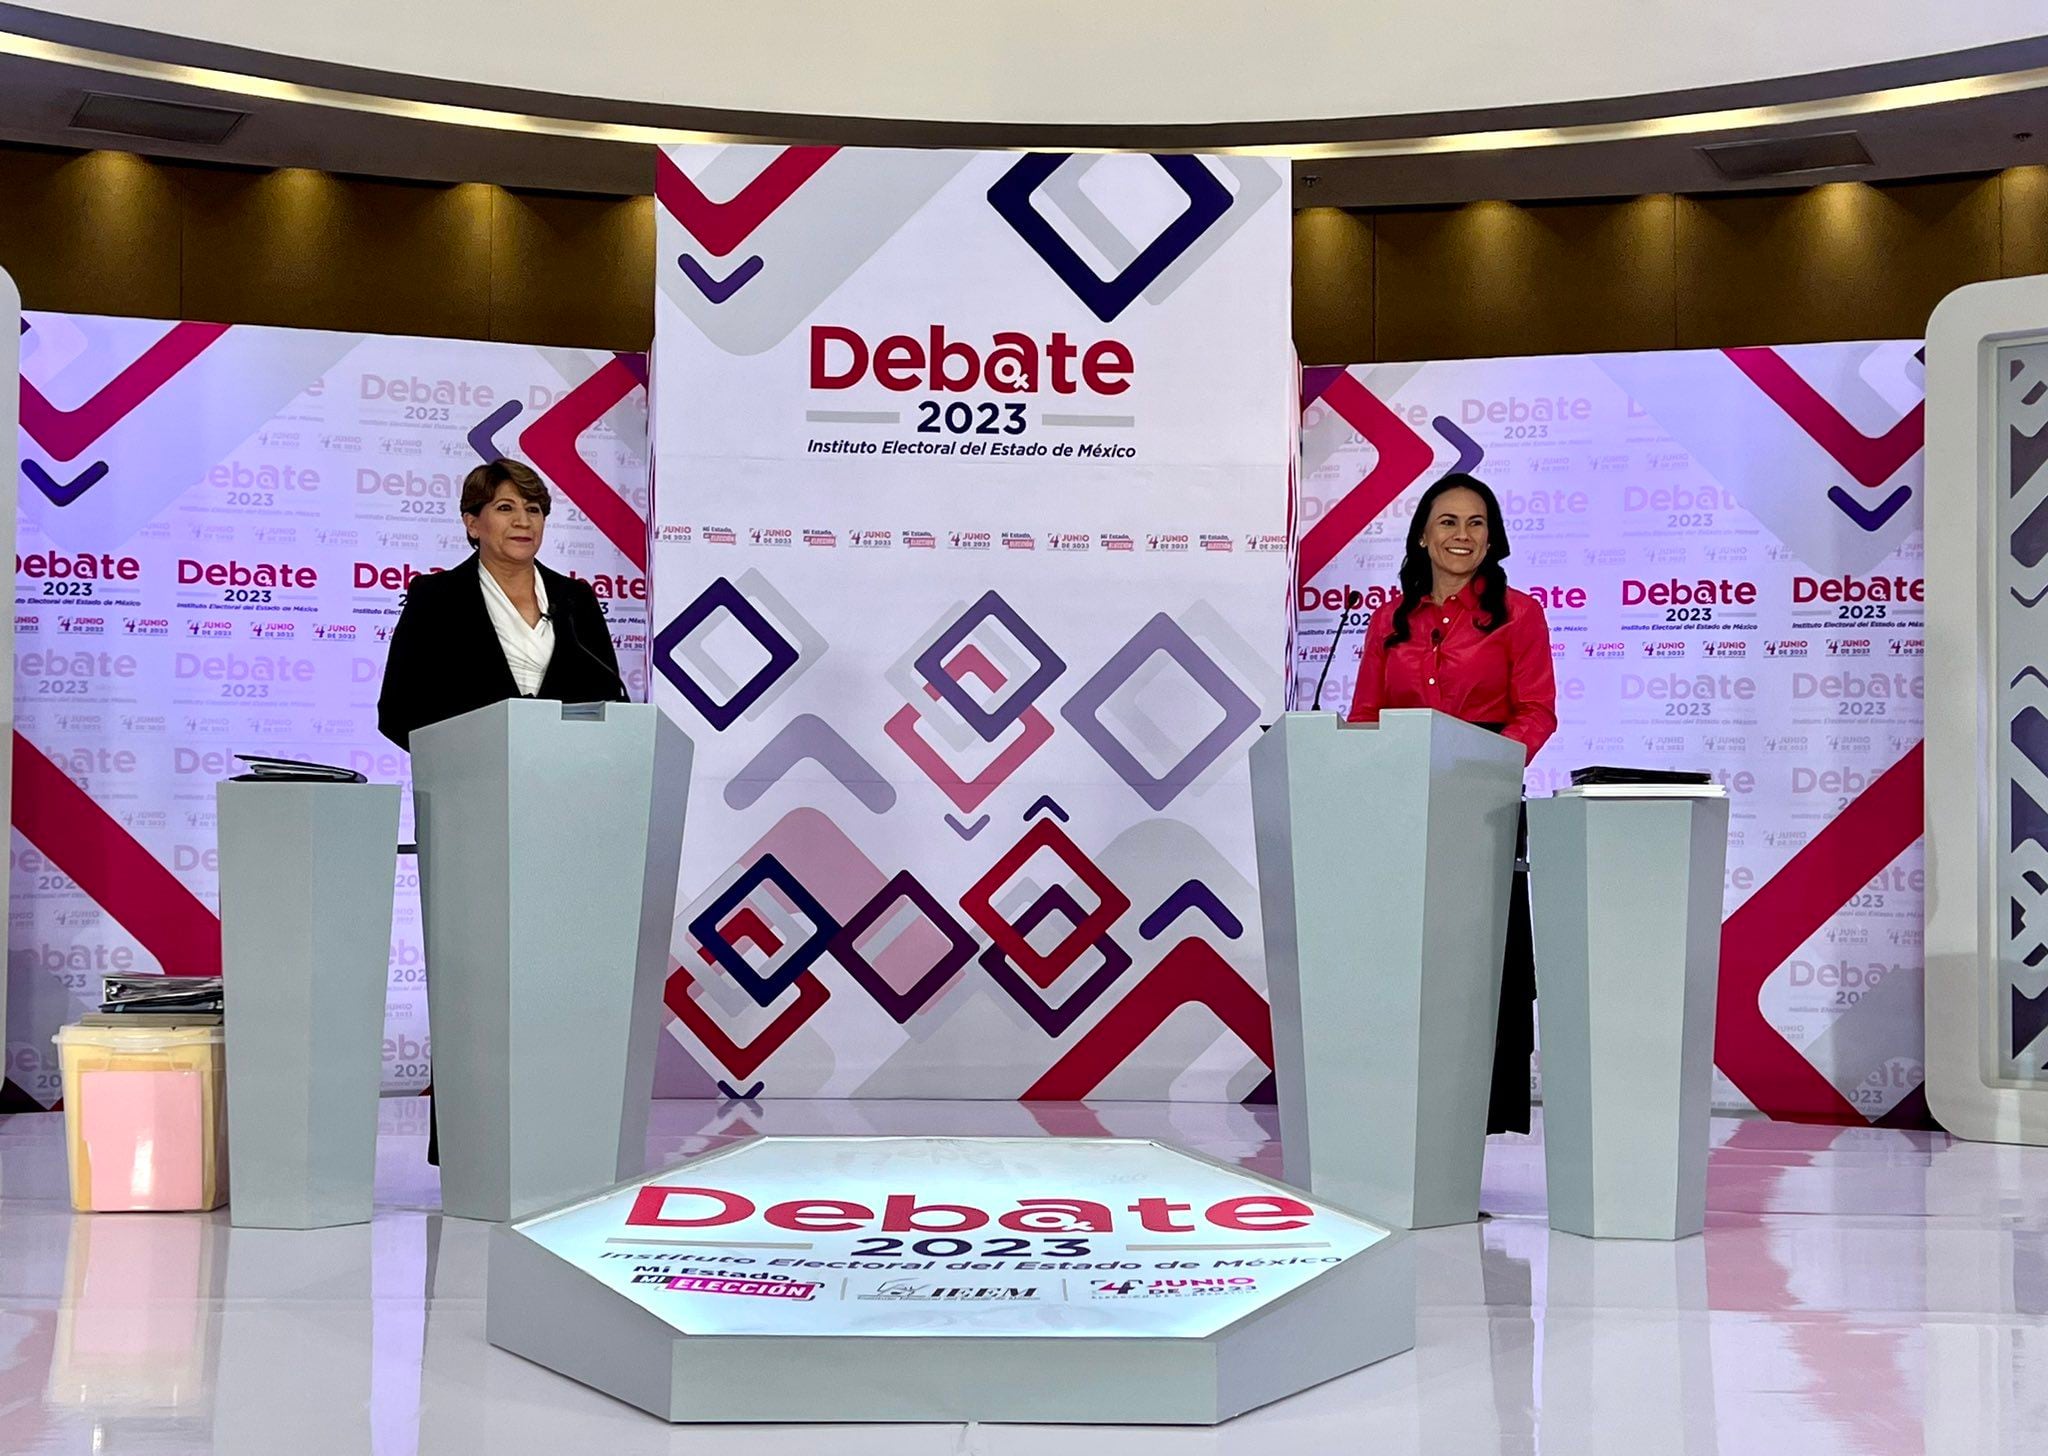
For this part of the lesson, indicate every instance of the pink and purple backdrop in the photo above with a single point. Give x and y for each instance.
(1728, 546)
(215, 525)
(179, 481)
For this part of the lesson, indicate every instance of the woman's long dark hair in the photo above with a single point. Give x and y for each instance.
(1417, 576)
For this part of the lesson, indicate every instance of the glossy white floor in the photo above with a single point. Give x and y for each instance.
(1855, 1291)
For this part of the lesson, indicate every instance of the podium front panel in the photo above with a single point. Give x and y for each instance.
(541, 865)
(306, 874)
(1626, 904)
(1385, 861)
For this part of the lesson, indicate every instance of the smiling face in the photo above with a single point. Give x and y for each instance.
(507, 528)
(1455, 535)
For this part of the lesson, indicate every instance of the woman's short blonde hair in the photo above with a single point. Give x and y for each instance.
(482, 483)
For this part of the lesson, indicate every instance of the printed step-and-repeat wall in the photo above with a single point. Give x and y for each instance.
(1727, 546)
(971, 586)
(216, 526)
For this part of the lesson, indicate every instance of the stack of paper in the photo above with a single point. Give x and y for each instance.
(294, 771)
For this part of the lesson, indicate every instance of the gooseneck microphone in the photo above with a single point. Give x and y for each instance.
(1343, 621)
(567, 626)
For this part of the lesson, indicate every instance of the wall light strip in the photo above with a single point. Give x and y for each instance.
(1832, 108)
(236, 83)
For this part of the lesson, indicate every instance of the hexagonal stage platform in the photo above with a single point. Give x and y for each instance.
(1091, 1280)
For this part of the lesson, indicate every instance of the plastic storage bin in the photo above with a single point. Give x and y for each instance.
(145, 1117)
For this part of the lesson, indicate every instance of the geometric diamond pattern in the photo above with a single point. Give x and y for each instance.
(1111, 903)
(709, 930)
(1055, 1019)
(722, 594)
(1161, 634)
(902, 1005)
(990, 723)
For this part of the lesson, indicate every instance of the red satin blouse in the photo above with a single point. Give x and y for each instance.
(1447, 663)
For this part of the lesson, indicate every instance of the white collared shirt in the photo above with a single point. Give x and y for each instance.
(528, 650)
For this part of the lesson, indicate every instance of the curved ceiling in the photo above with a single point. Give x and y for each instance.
(1115, 63)
(1390, 102)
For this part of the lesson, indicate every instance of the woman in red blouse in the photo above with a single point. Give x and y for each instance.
(1459, 640)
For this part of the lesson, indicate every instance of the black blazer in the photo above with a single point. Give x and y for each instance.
(445, 659)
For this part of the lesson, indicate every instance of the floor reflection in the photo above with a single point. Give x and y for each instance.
(1856, 1291)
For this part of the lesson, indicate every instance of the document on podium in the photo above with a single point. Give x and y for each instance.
(266, 770)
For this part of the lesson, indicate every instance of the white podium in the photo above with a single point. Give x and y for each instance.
(305, 918)
(1625, 901)
(1385, 859)
(549, 840)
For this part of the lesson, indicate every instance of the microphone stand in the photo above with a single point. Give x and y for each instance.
(1343, 621)
(567, 625)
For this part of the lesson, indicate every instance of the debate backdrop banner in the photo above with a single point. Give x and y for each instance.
(1727, 545)
(971, 586)
(216, 526)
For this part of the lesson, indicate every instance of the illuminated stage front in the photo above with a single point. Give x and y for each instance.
(1041, 1280)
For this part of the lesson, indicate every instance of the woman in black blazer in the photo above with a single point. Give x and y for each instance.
(500, 625)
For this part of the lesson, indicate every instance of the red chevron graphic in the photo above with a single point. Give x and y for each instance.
(550, 444)
(1876, 827)
(68, 433)
(1870, 462)
(128, 882)
(1404, 456)
(723, 226)
(1191, 972)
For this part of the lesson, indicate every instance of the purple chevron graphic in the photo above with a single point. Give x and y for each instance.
(718, 290)
(904, 1004)
(1470, 451)
(64, 493)
(732, 1094)
(2029, 1018)
(968, 831)
(2027, 452)
(809, 737)
(1192, 895)
(1874, 516)
(1051, 1019)
(1047, 804)
(483, 435)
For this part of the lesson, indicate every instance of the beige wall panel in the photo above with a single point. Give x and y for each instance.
(106, 232)
(572, 270)
(1495, 278)
(2023, 196)
(92, 233)
(1333, 286)
(309, 250)
(1844, 261)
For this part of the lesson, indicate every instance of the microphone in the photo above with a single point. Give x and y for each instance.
(567, 626)
(1343, 621)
